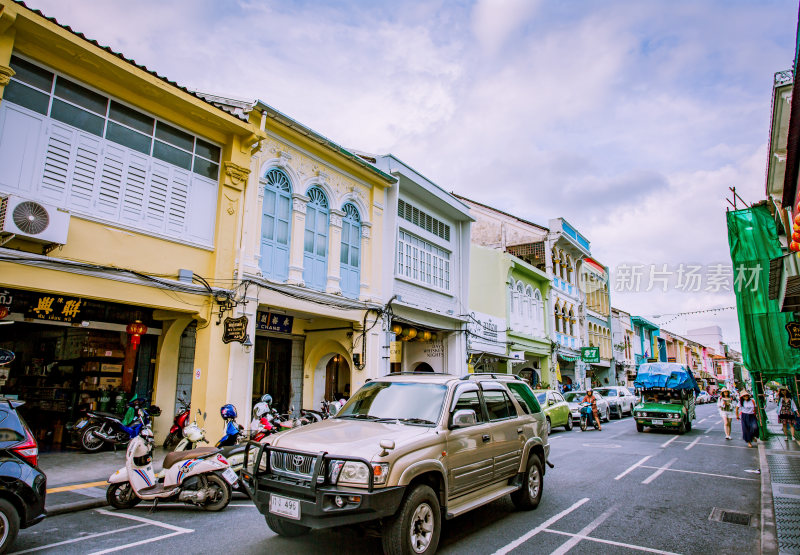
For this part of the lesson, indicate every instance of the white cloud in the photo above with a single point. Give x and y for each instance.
(495, 21)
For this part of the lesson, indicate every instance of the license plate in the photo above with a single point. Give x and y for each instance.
(230, 476)
(657, 422)
(283, 506)
(81, 424)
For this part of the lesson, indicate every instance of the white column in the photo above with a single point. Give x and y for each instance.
(333, 284)
(366, 260)
(298, 226)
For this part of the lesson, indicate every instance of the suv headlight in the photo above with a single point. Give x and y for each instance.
(357, 473)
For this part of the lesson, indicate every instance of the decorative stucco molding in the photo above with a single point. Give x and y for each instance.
(366, 230)
(6, 73)
(336, 217)
(299, 203)
(237, 175)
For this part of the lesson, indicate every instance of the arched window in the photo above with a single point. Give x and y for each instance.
(531, 324)
(538, 312)
(315, 241)
(569, 269)
(556, 261)
(565, 318)
(275, 217)
(557, 314)
(351, 251)
(522, 302)
(571, 322)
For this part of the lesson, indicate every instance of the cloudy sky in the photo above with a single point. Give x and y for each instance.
(630, 119)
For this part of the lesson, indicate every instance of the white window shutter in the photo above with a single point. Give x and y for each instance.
(157, 194)
(109, 191)
(57, 162)
(85, 157)
(133, 197)
(201, 216)
(178, 201)
(21, 132)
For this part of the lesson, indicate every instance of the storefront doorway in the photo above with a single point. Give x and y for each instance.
(337, 378)
(272, 371)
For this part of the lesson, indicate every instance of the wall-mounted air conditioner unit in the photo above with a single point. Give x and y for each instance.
(21, 218)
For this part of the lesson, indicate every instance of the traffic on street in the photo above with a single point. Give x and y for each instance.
(614, 491)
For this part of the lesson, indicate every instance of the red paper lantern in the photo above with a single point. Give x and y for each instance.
(797, 219)
(136, 330)
(794, 246)
(796, 237)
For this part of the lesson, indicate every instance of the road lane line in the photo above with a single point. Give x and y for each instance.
(658, 472)
(718, 445)
(82, 538)
(141, 542)
(145, 520)
(588, 529)
(703, 420)
(692, 444)
(706, 474)
(633, 467)
(612, 542)
(669, 441)
(708, 431)
(77, 486)
(546, 524)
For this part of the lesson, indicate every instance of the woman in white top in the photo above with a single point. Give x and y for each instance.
(746, 411)
(725, 406)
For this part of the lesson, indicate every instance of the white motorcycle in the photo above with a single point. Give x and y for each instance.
(199, 477)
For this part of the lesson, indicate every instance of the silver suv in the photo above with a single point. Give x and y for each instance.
(405, 452)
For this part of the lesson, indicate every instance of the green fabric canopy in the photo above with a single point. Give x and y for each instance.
(754, 242)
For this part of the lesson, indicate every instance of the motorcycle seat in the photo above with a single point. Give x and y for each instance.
(107, 414)
(229, 450)
(177, 456)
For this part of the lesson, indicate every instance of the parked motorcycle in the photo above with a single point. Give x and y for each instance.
(97, 428)
(201, 477)
(178, 424)
(587, 417)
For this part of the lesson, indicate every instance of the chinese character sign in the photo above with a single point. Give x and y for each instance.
(57, 308)
(267, 321)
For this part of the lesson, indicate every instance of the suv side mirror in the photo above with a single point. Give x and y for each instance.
(464, 418)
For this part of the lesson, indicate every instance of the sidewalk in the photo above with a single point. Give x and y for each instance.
(780, 491)
(77, 480)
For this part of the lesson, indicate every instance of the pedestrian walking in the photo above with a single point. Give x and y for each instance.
(746, 412)
(725, 406)
(787, 411)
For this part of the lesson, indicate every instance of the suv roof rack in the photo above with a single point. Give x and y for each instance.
(417, 373)
(491, 375)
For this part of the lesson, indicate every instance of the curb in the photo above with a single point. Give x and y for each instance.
(65, 508)
(769, 534)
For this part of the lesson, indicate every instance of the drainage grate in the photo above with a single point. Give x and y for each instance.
(787, 514)
(736, 518)
(783, 469)
(732, 517)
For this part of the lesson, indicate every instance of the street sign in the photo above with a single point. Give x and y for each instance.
(793, 329)
(235, 329)
(590, 354)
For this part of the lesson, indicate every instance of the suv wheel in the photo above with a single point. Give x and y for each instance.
(9, 525)
(416, 527)
(529, 495)
(284, 528)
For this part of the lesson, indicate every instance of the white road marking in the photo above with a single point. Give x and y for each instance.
(718, 445)
(708, 431)
(82, 538)
(705, 474)
(633, 467)
(692, 444)
(145, 520)
(588, 529)
(703, 420)
(669, 441)
(611, 542)
(658, 472)
(251, 505)
(546, 524)
(134, 544)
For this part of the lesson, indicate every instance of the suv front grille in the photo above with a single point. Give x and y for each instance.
(294, 465)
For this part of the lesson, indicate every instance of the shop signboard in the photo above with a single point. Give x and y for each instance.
(396, 351)
(56, 308)
(267, 321)
(6, 357)
(793, 329)
(486, 333)
(235, 329)
(590, 354)
(4, 311)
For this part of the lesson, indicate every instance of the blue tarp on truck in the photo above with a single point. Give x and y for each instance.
(669, 375)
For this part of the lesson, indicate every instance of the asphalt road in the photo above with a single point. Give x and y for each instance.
(612, 491)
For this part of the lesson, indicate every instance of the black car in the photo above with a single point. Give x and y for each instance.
(22, 484)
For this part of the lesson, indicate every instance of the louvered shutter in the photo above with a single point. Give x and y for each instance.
(157, 194)
(21, 133)
(110, 187)
(85, 157)
(57, 161)
(135, 189)
(178, 201)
